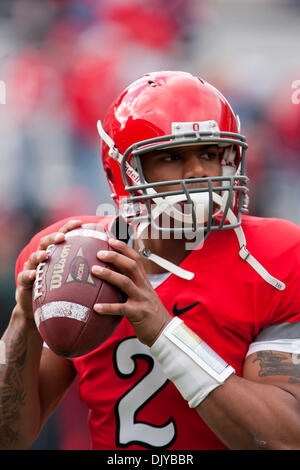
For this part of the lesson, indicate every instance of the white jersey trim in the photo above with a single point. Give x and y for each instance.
(283, 345)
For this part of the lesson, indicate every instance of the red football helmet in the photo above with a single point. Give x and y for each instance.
(171, 109)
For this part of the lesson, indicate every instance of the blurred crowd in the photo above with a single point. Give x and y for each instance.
(64, 61)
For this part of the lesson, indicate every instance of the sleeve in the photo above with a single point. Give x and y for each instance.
(281, 330)
(284, 337)
(33, 244)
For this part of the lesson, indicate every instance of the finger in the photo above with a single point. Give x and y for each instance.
(51, 239)
(117, 279)
(126, 250)
(34, 259)
(26, 278)
(70, 225)
(121, 262)
(110, 309)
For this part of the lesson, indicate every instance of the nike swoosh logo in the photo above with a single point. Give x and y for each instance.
(179, 311)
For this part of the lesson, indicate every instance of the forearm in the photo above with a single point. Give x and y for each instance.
(250, 415)
(19, 396)
(250, 412)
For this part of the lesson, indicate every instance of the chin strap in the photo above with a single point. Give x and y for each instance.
(243, 252)
(246, 256)
(165, 264)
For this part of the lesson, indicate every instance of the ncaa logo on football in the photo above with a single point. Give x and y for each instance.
(80, 270)
(2, 92)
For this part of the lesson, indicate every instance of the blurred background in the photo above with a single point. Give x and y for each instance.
(64, 61)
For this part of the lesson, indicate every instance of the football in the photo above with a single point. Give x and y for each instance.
(65, 292)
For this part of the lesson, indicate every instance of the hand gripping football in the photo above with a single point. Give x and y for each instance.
(65, 292)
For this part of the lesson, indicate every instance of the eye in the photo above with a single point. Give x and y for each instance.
(169, 157)
(209, 155)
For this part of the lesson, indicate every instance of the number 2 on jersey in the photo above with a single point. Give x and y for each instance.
(129, 430)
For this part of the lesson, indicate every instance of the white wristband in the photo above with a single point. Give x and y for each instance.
(193, 367)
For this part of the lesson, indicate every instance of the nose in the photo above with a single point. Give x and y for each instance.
(193, 167)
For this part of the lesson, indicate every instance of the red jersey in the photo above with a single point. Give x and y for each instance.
(132, 404)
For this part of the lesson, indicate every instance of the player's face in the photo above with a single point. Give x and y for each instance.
(182, 163)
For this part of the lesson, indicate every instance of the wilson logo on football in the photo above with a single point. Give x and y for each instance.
(58, 270)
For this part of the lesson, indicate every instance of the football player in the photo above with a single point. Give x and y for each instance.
(206, 356)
